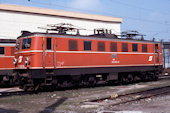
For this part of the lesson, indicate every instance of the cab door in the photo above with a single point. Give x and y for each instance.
(156, 54)
(49, 53)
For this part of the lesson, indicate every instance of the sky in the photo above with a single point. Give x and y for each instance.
(148, 17)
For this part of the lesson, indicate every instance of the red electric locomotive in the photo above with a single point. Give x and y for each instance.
(59, 59)
(7, 48)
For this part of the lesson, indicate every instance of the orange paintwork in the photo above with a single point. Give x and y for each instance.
(81, 58)
(6, 60)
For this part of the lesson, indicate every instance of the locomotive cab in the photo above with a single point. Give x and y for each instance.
(22, 55)
(34, 53)
(33, 57)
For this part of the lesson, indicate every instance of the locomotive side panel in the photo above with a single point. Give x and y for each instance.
(6, 59)
(77, 57)
(80, 58)
(56, 60)
(6, 62)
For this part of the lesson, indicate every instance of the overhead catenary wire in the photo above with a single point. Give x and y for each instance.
(132, 18)
(136, 7)
(94, 11)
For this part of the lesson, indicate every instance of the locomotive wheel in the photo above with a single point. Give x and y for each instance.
(130, 78)
(11, 81)
(155, 76)
(36, 88)
(150, 76)
(123, 79)
(30, 88)
(64, 84)
(25, 87)
(137, 78)
(111, 82)
(145, 77)
(92, 81)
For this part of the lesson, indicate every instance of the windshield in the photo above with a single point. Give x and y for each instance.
(18, 44)
(26, 43)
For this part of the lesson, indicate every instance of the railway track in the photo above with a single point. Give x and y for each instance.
(5, 92)
(115, 99)
(19, 93)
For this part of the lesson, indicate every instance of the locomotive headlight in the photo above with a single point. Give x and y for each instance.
(14, 61)
(26, 60)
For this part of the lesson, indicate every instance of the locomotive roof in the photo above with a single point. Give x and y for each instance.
(95, 36)
(7, 40)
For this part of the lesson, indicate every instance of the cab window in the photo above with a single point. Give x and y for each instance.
(2, 51)
(26, 43)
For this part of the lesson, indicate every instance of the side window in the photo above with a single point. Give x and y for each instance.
(2, 51)
(144, 48)
(156, 48)
(124, 47)
(101, 46)
(113, 47)
(73, 45)
(87, 45)
(49, 44)
(26, 43)
(135, 47)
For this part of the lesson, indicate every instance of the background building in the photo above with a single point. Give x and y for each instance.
(16, 18)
